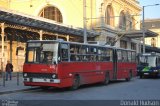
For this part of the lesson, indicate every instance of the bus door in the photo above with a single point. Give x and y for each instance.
(114, 64)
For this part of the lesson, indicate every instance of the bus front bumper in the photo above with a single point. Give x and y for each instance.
(60, 83)
(149, 73)
(43, 80)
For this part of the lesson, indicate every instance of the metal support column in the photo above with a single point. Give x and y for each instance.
(56, 36)
(17, 62)
(2, 55)
(11, 51)
(67, 37)
(143, 32)
(41, 34)
(84, 22)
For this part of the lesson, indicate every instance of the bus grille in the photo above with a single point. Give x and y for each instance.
(38, 75)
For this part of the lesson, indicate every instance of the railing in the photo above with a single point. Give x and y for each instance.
(17, 70)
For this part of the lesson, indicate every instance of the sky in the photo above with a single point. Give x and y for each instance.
(151, 12)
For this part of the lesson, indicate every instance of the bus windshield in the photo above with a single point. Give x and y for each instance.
(42, 52)
(148, 60)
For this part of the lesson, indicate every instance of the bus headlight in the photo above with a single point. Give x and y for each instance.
(155, 70)
(25, 74)
(54, 76)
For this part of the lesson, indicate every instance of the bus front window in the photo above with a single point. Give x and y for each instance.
(44, 53)
(152, 61)
(30, 56)
(33, 55)
(46, 56)
(143, 61)
(148, 61)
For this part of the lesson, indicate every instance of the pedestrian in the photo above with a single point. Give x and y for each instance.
(9, 70)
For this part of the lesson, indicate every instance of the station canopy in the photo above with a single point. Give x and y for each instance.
(150, 49)
(138, 33)
(23, 27)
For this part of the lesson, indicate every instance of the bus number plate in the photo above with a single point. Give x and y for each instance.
(146, 73)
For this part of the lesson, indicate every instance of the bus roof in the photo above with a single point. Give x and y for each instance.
(62, 41)
(148, 54)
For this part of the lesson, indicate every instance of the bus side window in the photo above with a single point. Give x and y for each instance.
(129, 56)
(158, 60)
(64, 52)
(108, 55)
(119, 55)
(124, 56)
(133, 57)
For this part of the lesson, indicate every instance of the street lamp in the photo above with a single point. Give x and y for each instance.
(144, 26)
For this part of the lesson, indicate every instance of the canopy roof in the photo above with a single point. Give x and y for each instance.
(33, 24)
(139, 33)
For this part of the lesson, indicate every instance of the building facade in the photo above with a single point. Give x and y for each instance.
(119, 17)
(115, 20)
(153, 25)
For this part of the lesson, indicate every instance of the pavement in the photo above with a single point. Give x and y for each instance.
(13, 85)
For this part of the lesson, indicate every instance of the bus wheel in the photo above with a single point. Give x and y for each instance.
(76, 83)
(106, 80)
(129, 77)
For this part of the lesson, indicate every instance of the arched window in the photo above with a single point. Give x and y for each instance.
(52, 13)
(153, 42)
(122, 21)
(109, 16)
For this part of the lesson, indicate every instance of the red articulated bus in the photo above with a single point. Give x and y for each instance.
(55, 63)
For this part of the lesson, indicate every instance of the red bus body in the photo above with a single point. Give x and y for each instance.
(61, 73)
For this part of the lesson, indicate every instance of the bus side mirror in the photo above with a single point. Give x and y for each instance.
(59, 59)
(54, 62)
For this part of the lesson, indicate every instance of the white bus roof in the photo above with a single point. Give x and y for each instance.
(113, 47)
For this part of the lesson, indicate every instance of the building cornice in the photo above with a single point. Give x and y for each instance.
(152, 20)
(131, 3)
